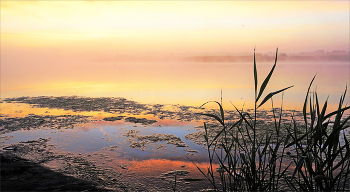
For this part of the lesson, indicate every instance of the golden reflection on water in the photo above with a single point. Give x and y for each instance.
(148, 171)
(158, 166)
(153, 172)
(192, 84)
(12, 110)
(23, 110)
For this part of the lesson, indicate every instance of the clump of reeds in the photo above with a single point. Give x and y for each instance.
(248, 162)
(323, 150)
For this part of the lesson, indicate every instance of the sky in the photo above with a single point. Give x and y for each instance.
(52, 45)
(129, 27)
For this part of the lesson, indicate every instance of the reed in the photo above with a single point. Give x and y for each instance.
(252, 155)
(323, 151)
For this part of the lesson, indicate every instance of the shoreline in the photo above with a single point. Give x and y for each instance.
(109, 168)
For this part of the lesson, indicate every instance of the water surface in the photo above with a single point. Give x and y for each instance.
(185, 83)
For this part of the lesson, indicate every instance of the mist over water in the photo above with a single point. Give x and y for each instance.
(187, 83)
(128, 79)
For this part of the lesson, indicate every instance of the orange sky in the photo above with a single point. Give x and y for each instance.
(66, 47)
(197, 26)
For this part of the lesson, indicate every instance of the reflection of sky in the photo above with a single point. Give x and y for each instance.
(139, 166)
(186, 83)
(103, 136)
(97, 137)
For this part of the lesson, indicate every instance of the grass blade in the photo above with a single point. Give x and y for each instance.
(266, 81)
(211, 115)
(305, 103)
(335, 112)
(272, 94)
(300, 163)
(216, 117)
(243, 116)
(205, 175)
(255, 75)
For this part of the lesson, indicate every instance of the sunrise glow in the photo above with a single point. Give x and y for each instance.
(176, 26)
(96, 48)
(233, 95)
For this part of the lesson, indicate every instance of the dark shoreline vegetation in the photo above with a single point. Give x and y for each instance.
(252, 162)
(248, 149)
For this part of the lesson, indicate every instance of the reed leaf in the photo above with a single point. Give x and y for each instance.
(345, 158)
(319, 127)
(287, 139)
(300, 163)
(336, 112)
(267, 142)
(255, 76)
(308, 164)
(252, 161)
(224, 130)
(214, 116)
(333, 137)
(206, 134)
(267, 79)
(344, 122)
(205, 175)
(274, 154)
(305, 103)
(295, 140)
(272, 94)
(244, 151)
(223, 165)
(346, 143)
(243, 116)
(312, 113)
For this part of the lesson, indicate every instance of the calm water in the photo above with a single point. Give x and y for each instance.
(101, 135)
(106, 144)
(178, 83)
(161, 83)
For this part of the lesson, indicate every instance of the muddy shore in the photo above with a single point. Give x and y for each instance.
(33, 166)
(38, 165)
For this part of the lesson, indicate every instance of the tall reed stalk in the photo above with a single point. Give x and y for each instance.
(252, 155)
(323, 151)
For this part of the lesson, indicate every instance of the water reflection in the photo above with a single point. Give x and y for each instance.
(157, 172)
(22, 110)
(99, 135)
(105, 143)
(140, 149)
(194, 83)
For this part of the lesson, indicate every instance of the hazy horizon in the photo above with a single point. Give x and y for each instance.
(85, 47)
(110, 92)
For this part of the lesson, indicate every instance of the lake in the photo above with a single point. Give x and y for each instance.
(153, 131)
(185, 83)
